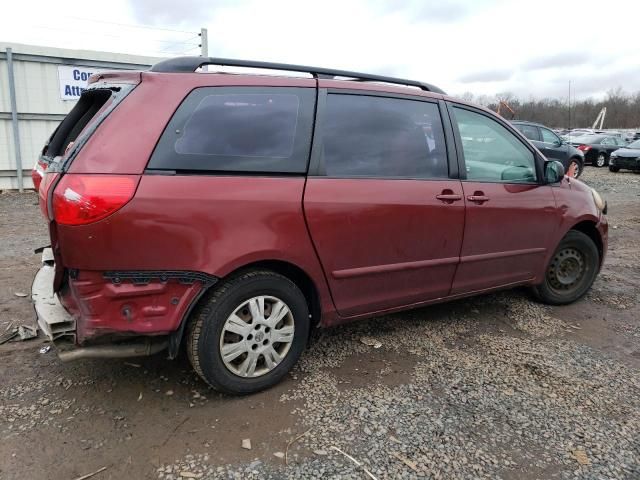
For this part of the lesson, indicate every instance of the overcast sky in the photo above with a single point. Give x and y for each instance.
(528, 48)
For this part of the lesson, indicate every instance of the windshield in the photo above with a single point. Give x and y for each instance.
(635, 144)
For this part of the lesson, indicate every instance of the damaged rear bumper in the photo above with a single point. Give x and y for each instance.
(53, 319)
(60, 326)
(115, 314)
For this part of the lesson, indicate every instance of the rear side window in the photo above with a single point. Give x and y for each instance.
(528, 131)
(369, 136)
(239, 129)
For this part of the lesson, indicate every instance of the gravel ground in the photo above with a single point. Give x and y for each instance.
(496, 386)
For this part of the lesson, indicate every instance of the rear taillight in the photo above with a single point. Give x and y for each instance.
(82, 199)
(584, 148)
(43, 192)
(37, 174)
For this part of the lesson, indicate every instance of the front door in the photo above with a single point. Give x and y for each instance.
(384, 215)
(553, 147)
(510, 216)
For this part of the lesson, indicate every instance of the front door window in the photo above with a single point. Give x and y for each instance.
(491, 152)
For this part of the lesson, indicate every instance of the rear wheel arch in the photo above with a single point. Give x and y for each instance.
(287, 269)
(294, 273)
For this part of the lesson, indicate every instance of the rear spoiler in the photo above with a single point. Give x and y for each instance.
(128, 77)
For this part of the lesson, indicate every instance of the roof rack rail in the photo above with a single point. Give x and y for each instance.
(190, 64)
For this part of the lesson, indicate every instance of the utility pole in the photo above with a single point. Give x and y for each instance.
(569, 104)
(14, 119)
(204, 46)
(204, 42)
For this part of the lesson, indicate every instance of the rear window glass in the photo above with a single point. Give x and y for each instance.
(239, 129)
(370, 136)
(90, 103)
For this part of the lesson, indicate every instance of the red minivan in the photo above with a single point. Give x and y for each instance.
(229, 214)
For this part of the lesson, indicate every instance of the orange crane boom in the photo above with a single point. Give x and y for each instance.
(504, 104)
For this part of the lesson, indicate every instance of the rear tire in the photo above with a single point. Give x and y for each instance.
(571, 271)
(601, 160)
(234, 343)
(614, 169)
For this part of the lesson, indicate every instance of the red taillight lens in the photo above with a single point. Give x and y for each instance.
(43, 192)
(584, 148)
(82, 199)
(37, 174)
(37, 178)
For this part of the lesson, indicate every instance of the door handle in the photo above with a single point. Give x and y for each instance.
(449, 197)
(478, 197)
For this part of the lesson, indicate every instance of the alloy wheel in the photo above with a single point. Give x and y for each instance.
(601, 160)
(574, 169)
(257, 336)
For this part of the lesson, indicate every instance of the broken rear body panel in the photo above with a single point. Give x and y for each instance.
(146, 303)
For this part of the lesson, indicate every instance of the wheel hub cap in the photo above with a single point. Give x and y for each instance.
(257, 336)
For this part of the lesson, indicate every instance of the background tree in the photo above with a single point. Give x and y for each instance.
(623, 109)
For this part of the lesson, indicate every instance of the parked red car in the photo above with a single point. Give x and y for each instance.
(229, 214)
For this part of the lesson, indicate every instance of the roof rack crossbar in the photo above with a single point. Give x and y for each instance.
(190, 64)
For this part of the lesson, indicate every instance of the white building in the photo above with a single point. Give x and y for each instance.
(45, 85)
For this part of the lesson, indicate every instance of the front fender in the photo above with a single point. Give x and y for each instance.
(578, 211)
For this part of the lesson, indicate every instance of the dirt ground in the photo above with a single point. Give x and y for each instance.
(496, 386)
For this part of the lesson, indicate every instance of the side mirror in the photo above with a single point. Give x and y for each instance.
(553, 171)
(558, 143)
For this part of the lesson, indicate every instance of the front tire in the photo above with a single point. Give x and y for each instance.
(248, 332)
(571, 271)
(601, 160)
(574, 168)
